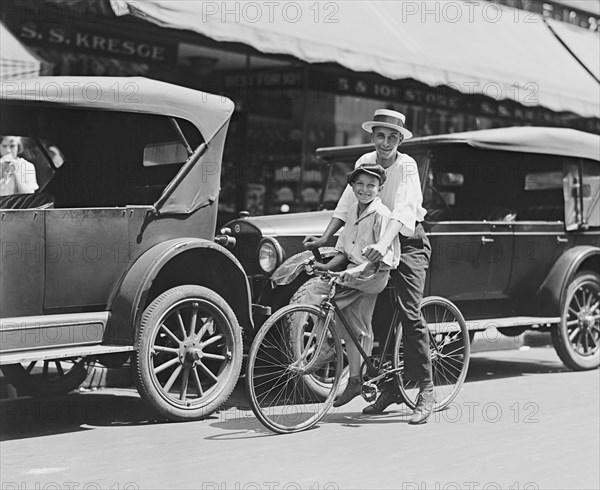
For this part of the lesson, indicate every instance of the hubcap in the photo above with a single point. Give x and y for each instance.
(190, 353)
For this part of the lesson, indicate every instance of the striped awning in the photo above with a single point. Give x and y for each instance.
(16, 61)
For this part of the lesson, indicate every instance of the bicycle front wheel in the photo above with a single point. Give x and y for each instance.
(276, 374)
(449, 347)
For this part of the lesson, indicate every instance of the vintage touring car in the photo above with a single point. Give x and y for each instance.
(514, 221)
(114, 255)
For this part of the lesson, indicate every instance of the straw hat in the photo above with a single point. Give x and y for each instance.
(388, 119)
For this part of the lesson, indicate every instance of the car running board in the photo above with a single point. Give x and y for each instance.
(514, 321)
(62, 353)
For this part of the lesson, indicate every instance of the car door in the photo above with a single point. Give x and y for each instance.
(460, 261)
(470, 227)
(498, 253)
(540, 235)
(84, 256)
(21, 262)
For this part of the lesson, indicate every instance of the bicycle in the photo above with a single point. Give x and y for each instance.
(278, 365)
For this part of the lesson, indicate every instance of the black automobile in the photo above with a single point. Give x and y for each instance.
(514, 222)
(113, 256)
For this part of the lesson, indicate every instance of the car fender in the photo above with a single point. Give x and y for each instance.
(203, 262)
(553, 288)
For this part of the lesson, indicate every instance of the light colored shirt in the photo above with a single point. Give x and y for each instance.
(24, 175)
(401, 192)
(367, 229)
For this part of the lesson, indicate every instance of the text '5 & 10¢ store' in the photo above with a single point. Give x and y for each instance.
(305, 74)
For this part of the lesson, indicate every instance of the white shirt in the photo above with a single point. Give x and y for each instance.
(367, 229)
(401, 192)
(24, 174)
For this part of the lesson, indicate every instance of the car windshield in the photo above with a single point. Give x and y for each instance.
(93, 158)
(462, 183)
(469, 184)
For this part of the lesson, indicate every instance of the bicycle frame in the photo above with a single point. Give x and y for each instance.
(330, 306)
(293, 392)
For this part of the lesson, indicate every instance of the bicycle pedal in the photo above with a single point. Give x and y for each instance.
(369, 392)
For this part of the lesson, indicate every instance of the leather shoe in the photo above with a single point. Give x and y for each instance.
(352, 391)
(423, 409)
(388, 396)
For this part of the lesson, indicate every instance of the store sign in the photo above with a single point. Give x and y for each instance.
(377, 88)
(441, 97)
(100, 43)
(263, 79)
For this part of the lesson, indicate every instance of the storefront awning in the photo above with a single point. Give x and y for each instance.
(583, 44)
(474, 47)
(16, 61)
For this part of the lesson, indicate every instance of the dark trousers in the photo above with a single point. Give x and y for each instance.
(410, 281)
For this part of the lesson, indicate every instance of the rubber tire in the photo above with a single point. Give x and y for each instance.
(559, 334)
(251, 362)
(440, 404)
(38, 386)
(142, 361)
(318, 385)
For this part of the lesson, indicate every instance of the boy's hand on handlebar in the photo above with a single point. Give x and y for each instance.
(351, 273)
(312, 242)
(312, 266)
(318, 266)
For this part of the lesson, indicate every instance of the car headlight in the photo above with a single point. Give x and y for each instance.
(270, 255)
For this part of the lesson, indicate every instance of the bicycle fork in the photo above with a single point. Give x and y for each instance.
(301, 364)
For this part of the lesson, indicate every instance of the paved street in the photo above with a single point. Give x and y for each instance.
(521, 422)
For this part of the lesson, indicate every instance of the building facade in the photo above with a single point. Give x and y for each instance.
(285, 108)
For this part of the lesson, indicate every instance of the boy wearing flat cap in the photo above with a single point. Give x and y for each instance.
(362, 280)
(403, 197)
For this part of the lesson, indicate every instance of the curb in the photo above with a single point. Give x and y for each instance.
(485, 341)
(492, 340)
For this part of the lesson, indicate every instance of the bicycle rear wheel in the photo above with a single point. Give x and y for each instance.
(276, 374)
(449, 348)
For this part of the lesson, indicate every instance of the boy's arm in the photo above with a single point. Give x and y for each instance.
(311, 242)
(337, 263)
(365, 270)
(376, 251)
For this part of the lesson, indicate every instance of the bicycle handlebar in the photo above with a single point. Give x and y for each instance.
(325, 275)
(317, 255)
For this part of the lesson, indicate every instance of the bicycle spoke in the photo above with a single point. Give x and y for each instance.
(449, 347)
(279, 388)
